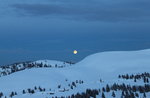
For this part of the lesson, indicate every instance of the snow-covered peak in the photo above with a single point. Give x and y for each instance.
(52, 63)
(116, 62)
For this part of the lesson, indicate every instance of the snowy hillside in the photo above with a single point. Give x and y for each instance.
(53, 63)
(9, 69)
(106, 74)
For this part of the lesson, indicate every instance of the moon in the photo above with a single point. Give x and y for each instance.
(75, 52)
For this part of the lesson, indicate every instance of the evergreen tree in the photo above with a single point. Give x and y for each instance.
(147, 80)
(35, 88)
(15, 93)
(103, 89)
(144, 95)
(113, 94)
(32, 92)
(73, 83)
(132, 95)
(1, 94)
(107, 88)
(103, 95)
(71, 87)
(12, 94)
(136, 94)
(134, 79)
(59, 86)
(23, 91)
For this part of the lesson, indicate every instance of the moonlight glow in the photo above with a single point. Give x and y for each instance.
(75, 52)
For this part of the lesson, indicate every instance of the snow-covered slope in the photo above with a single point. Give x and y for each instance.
(105, 66)
(116, 62)
(9, 69)
(53, 63)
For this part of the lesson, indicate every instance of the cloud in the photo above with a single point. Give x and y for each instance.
(113, 11)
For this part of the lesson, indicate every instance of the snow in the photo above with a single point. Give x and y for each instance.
(53, 63)
(106, 66)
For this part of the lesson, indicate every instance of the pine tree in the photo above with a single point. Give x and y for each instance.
(1, 94)
(136, 94)
(103, 95)
(71, 87)
(59, 86)
(134, 79)
(23, 91)
(144, 79)
(73, 83)
(40, 89)
(56, 65)
(147, 80)
(127, 76)
(35, 88)
(12, 94)
(113, 94)
(29, 90)
(132, 95)
(144, 95)
(107, 88)
(15, 93)
(32, 92)
(103, 89)
(119, 76)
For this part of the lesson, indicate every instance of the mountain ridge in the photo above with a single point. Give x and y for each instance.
(94, 73)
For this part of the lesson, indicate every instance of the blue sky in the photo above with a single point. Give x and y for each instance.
(52, 29)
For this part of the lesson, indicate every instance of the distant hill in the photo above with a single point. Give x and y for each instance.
(102, 75)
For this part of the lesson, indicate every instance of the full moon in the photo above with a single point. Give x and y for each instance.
(75, 52)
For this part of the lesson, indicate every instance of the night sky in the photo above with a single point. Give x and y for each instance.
(52, 29)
